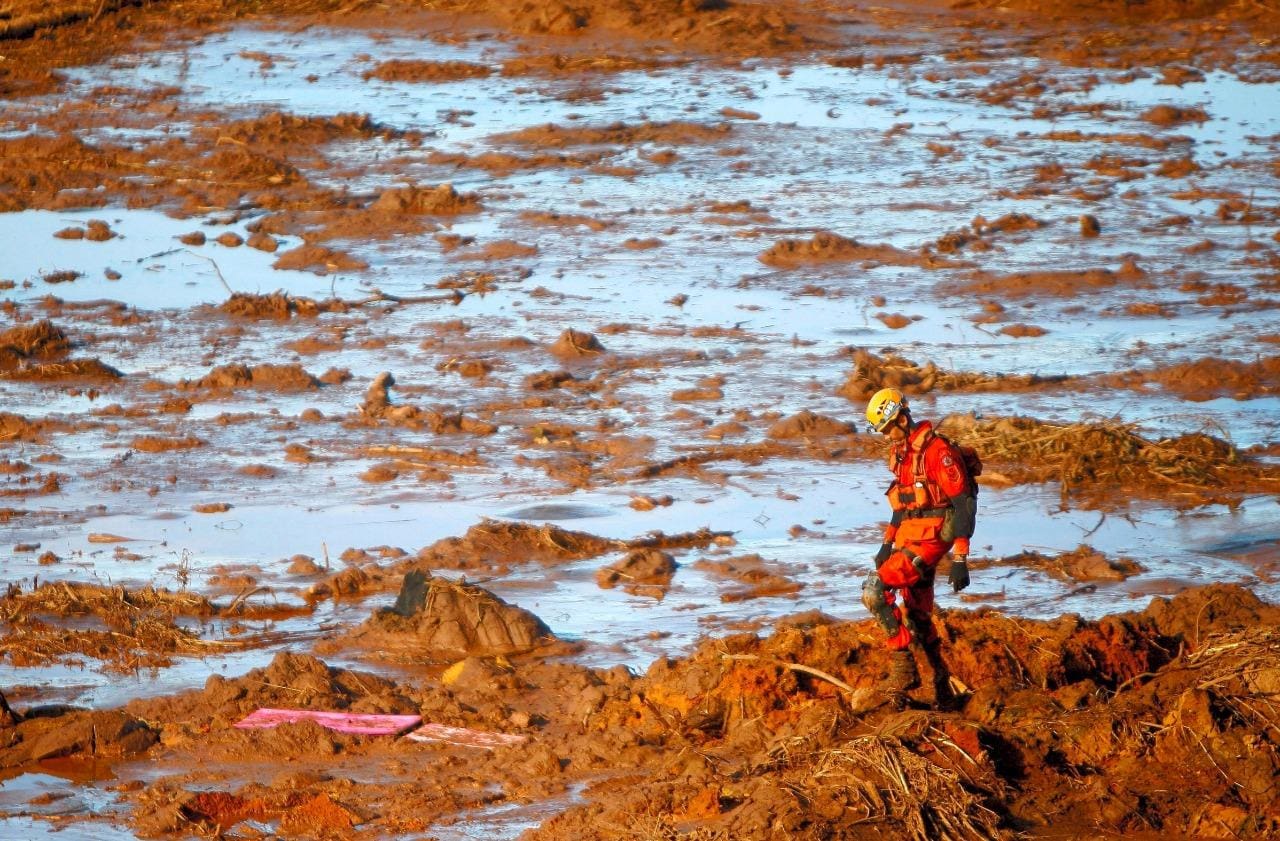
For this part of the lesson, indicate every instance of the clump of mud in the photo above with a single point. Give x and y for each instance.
(641, 568)
(441, 200)
(758, 578)
(277, 305)
(872, 373)
(266, 376)
(828, 247)
(1209, 378)
(1084, 563)
(435, 618)
(40, 351)
(576, 343)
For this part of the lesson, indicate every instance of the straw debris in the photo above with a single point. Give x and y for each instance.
(1089, 460)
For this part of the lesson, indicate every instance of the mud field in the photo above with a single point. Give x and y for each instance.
(503, 364)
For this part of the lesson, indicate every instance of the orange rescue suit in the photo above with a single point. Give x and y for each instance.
(934, 503)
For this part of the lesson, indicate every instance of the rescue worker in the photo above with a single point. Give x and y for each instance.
(934, 503)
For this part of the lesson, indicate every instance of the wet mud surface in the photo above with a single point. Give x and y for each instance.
(504, 364)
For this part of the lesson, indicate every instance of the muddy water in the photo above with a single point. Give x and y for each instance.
(899, 155)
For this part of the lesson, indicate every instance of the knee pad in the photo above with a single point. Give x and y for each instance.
(873, 593)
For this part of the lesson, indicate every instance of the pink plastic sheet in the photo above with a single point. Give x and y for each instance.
(465, 737)
(362, 724)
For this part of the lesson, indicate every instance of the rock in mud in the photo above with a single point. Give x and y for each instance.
(643, 566)
(434, 618)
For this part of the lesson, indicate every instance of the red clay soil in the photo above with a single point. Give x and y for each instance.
(1069, 725)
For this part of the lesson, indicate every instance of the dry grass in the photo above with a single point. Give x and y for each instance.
(1089, 459)
(893, 784)
(1242, 670)
(130, 629)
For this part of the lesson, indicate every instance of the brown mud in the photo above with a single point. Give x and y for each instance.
(1157, 723)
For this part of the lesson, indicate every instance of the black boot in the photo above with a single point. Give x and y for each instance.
(943, 697)
(903, 677)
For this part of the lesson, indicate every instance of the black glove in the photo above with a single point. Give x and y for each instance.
(886, 549)
(959, 576)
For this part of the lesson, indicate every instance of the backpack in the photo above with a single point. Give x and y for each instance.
(969, 458)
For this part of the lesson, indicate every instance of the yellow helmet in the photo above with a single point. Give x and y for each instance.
(886, 404)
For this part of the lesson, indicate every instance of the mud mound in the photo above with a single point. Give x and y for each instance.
(1084, 563)
(784, 734)
(318, 259)
(872, 373)
(434, 618)
(417, 70)
(717, 26)
(59, 733)
(17, 428)
(280, 132)
(441, 200)
(41, 340)
(651, 567)
(807, 424)
(676, 133)
(576, 343)
(828, 247)
(1063, 283)
(265, 376)
(278, 305)
(754, 573)
(290, 680)
(1208, 378)
(492, 544)
(1091, 460)
(69, 369)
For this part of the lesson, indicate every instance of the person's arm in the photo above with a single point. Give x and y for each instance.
(890, 532)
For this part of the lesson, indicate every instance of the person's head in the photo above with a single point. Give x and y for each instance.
(888, 414)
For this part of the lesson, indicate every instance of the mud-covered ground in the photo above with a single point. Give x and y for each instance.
(570, 312)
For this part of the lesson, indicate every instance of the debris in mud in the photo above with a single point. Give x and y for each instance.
(781, 747)
(265, 376)
(418, 70)
(1092, 460)
(38, 352)
(576, 343)
(493, 544)
(435, 618)
(56, 733)
(1208, 378)
(640, 570)
(872, 373)
(276, 305)
(137, 627)
(828, 247)
(553, 136)
(755, 573)
(1084, 563)
(441, 200)
(318, 259)
(807, 424)
(164, 444)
